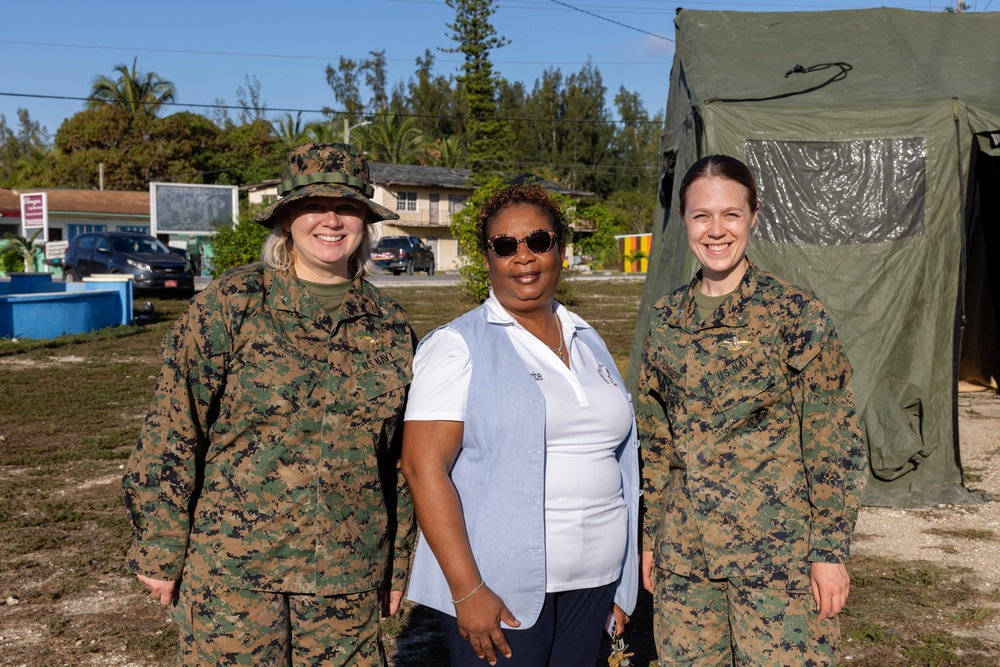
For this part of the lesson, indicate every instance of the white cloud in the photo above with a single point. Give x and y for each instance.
(656, 46)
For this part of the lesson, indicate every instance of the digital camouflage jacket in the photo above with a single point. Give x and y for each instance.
(269, 457)
(752, 453)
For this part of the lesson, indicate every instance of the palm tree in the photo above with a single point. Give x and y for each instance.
(139, 93)
(448, 152)
(19, 252)
(289, 129)
(323, 131)
(395, 141)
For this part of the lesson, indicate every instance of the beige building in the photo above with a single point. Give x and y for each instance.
(424, 198)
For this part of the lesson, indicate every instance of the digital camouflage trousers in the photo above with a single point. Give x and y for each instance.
(224, 626)
(767, 621)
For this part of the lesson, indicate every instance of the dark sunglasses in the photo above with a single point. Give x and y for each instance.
(539, 242)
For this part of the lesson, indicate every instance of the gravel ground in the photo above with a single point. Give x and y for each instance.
(937, 534)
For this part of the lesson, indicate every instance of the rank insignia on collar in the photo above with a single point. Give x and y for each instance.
(734, 344)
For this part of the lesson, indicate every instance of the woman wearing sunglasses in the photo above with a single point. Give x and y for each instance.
(520, 450)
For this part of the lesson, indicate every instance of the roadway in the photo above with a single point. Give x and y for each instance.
(451, 279)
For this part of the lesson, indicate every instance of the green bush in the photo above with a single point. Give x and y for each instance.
(623, 212)
(471, 263)
(239, 245)
(601, 246)
(11, 260)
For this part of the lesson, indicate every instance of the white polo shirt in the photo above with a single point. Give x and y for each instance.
(587, 418)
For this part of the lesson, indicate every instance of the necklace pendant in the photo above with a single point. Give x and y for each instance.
(562, 340)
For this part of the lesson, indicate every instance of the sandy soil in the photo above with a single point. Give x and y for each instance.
(944, 535)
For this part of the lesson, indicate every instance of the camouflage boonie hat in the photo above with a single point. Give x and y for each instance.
(325, 170)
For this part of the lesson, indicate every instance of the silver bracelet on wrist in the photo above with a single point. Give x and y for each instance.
(474, 591)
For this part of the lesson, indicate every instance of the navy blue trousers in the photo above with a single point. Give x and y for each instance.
(568, 633)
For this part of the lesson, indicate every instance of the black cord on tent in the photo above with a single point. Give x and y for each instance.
(963, 267)
(798, 69)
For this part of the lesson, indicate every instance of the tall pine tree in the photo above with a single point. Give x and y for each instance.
(488, 137)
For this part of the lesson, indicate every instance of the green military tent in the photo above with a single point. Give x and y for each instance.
(874, 137)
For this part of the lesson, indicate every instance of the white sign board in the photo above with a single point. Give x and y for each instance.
(56, 249)
(184, 208)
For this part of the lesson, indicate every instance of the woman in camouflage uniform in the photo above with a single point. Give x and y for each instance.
(754, 463)
(264, 489)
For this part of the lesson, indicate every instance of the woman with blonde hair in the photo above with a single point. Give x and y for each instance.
(264, 490)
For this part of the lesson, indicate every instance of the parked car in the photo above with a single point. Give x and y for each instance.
(403, 253)
(155, 267)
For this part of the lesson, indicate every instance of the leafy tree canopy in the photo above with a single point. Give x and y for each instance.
(21, 151)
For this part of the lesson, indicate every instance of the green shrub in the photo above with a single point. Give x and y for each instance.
(239, 245)
(601, 246)
(11, 260)
(471, 263)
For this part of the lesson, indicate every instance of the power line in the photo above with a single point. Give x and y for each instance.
(578, 166)
(533, 5)
(335, 112)
(618, 23)
(289, 56)
(659, 7)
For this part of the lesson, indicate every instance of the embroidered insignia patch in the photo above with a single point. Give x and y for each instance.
(734, 344)
(605, 374)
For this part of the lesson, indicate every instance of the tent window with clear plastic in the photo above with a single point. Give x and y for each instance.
(839, 192)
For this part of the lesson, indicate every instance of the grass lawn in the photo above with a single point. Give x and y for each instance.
(73, 408)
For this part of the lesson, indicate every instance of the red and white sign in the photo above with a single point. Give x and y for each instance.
(35, 213)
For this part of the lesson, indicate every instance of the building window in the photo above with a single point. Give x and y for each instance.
(73, 230)
(455, 203)
(267, 199)
(406, 202)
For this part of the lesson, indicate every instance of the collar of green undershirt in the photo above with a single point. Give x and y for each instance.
(330, 295)
(705, 304)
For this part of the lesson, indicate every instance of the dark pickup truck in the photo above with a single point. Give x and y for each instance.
(403, 253)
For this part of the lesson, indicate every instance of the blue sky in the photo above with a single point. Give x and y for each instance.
(57, 48)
